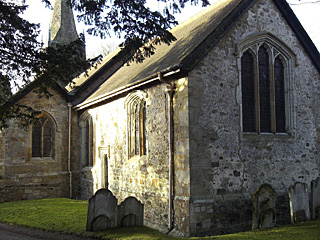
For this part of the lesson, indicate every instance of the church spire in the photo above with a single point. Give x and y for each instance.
(62, 26)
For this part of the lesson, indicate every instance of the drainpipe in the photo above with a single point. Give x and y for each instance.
(169, 90)
(69, 150)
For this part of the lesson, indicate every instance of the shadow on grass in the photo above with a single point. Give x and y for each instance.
(69, 216)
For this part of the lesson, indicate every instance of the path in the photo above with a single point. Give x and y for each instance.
(8, 232)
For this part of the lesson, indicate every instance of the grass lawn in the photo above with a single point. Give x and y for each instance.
(69, 216)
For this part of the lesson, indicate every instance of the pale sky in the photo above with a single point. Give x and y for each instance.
(307, 13)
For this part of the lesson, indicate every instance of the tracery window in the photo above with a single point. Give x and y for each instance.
(266, 85)
(136, 124)
(43, 136)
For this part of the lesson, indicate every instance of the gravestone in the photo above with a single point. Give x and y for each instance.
(102, 211)
(299, 203)
(315, 198)
(264, 207)
(130, 213)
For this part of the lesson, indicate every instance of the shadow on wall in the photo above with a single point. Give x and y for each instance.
(104, 213)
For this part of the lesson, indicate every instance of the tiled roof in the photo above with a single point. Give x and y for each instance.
(195, 37)
(189, 35)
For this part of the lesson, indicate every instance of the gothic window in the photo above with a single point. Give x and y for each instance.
(266, 86)
(43, 135)
(88, 139)
(136, 120)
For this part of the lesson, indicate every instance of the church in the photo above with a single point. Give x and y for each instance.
(192, 132)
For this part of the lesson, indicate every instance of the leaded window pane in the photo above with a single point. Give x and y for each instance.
(36, 139)
(144, 117)
(48, 136)
(248, 93)
(279, 96)
(264, 90)
(136, 130)
(87, 144)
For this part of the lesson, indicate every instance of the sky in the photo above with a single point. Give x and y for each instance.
(308, 14)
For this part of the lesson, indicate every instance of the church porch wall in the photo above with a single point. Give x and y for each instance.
(224, 161)
(18, 165)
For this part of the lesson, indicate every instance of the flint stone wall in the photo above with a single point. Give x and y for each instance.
(226, 162)
(145, 177)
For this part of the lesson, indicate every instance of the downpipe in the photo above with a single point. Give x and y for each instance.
(69, 150)
(169, 90)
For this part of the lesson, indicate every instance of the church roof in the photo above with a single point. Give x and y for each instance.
(195, 37)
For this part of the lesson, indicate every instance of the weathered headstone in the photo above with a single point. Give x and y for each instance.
(299, 202)
(102, 211)
(315, 198)
(264, 207)
(130, 213)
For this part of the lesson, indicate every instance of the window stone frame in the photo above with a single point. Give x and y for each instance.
(84, 118)
(136, 99)
(53, 121)
(276, 48)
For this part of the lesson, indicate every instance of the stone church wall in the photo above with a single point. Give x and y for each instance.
(24, 178)
(227, 166)
(145, 177)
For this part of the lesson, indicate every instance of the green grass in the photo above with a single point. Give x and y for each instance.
(55, 214)
(69, 216)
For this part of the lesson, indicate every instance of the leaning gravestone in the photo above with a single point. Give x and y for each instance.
(264, 207)
(299, 202)
(130, 213)
(102, 211)
(315, 198)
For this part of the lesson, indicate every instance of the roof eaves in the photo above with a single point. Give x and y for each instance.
(300, 32)
(190, 61)
(154, 77)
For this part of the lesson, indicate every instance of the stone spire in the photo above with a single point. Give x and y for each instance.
(62, 26)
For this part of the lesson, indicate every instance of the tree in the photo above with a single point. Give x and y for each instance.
(23, 58)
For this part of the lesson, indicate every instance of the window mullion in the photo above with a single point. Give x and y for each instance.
(141, 127)
(272, 96)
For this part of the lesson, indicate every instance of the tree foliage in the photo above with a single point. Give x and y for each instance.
(23, 59)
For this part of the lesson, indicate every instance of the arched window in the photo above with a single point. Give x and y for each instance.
(88, 139)
(43, 136)
(266, 85)
(136, 124)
